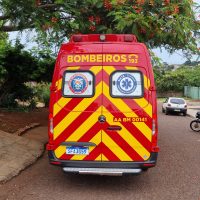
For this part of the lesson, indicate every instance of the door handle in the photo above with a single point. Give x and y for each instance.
(114, 128)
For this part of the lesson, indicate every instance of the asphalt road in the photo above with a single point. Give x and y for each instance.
(176, 176)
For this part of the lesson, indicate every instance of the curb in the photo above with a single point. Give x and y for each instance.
(28, 152)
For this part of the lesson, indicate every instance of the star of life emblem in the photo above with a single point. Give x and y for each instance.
(126, 83)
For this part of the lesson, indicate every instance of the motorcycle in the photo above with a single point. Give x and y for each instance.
(195, 124)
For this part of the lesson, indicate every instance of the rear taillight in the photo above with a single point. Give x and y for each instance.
(153, 126)
(169, 104)
(55, 162)
(51, 125)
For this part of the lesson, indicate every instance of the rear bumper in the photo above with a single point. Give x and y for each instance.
(103, 168)
(176, 109)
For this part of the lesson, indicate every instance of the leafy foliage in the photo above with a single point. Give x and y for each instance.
(18, 67)
(176, 80)
(169, 23)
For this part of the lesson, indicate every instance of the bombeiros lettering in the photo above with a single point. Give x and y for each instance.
(108, 58)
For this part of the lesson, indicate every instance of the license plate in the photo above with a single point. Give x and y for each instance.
(77, 150)
(177, 110)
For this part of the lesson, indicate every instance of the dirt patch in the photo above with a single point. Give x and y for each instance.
(12, 121)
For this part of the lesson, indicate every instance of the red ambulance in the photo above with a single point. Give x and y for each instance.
(103, 111)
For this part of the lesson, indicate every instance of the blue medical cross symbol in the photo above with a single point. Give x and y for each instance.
(126, 84)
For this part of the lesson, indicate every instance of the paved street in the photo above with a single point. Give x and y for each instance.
(176, 176)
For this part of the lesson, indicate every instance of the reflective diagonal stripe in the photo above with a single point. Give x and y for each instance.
(85, 126)
(76, 112)
(96, 69)
(104, 158)
(131, 68)
(58, 106)
(59, 84)
(60, 151)
(109, 69)
(73, 68)
(114, 147)
(96, 140)
(128, 137)
(145, 105)
(98, 158)
(119, 103)
(108, 153)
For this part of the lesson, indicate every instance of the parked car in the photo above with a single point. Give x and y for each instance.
(173, 104)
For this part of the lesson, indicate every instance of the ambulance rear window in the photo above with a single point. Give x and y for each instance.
(78, 84)
(127, 84)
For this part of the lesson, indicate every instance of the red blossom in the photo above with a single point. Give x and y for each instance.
(92, 28)
(97, 20)
(107, 5)
(91, 18)
(54, 19)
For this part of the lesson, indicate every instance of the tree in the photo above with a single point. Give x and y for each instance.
(169, 23)
(18, 67)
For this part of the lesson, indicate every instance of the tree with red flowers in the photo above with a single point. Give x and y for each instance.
(169, 23)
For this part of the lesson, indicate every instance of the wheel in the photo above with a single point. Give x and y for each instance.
(163, 110)
(166, 112)
(195, 125)
(185, 113)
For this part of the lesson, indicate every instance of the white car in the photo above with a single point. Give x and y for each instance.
(173, 104)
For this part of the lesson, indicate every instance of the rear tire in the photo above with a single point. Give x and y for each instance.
(195, 125)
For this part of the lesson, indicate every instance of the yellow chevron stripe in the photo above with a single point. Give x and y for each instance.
(145, 105)
(96, 69)
(104, 158)
(131, 68)
(59, 84)
(76, 112)
(85, 126)
(60, 151)
(119, 103)
(60, 104)
(96, 139)
(109, 69)
(73, 68)
(146, 82)
(98, 158)
(128, 137)
(115, 148)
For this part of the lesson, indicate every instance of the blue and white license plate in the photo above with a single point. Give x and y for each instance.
(77, 150)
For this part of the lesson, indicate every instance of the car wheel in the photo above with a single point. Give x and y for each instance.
(185, 113)
(166, 112)
(163, 110)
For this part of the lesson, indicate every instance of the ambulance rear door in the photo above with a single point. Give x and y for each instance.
(127, 133)
(77, 132)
